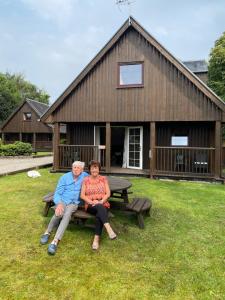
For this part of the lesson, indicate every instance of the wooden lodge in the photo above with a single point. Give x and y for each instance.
(139, 110)
(24, 125)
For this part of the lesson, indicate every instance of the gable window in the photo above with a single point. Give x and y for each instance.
(131, 74)
(27, 116)
(179, 141)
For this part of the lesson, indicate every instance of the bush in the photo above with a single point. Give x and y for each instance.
(18, 148)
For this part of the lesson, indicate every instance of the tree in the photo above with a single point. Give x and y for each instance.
(216, 71)
(14, 89)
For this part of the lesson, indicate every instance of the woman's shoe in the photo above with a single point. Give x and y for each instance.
(95, 245)
(112, 236)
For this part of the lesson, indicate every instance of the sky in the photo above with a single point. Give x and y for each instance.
(51, 41)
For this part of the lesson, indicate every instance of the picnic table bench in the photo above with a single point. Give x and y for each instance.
(140, 206)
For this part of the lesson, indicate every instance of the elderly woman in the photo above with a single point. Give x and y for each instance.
(95, 192)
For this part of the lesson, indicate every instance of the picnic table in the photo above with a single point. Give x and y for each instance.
(119, 190)
(118, 187)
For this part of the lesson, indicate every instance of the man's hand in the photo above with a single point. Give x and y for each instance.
(59, 210)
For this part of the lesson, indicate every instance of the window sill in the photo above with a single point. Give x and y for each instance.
(130, 86)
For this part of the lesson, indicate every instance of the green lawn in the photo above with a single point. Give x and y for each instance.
(179, 255)
(42, 153)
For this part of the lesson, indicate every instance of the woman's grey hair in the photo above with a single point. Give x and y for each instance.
(78, 163)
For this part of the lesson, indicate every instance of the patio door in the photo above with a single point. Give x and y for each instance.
(135, 141)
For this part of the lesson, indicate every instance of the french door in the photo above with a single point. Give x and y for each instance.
(135, 142)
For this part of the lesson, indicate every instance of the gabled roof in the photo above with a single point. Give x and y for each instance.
(196, 66)
(38, 107)
(131, 22)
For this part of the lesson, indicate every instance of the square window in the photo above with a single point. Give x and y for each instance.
(27, 116)
(131, 74)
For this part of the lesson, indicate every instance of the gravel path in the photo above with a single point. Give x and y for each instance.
(15, 165)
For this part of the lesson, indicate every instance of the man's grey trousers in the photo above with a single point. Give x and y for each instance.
(65, 219)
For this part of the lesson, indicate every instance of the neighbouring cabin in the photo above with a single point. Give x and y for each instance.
(138, 110)
(199, 68)
(24, 125)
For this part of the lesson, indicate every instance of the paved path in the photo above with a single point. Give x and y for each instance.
(16, 165)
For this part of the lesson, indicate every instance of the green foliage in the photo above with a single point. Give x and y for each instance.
(14, 89)
(178, 256)
(16, 149)
(216, 71)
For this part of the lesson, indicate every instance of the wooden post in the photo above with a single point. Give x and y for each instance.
(34, 142)
(56, 141)
(218, 145)
(20, 137)
(3, 137)
(152, 148)
(108, 147)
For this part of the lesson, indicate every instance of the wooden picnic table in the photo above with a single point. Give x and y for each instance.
(118, 187)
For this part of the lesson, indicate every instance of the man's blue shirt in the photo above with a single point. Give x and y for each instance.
(68, 190)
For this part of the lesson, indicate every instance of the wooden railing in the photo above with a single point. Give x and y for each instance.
(223, 156)
(185, 160)
(44, 145)
(69, 153)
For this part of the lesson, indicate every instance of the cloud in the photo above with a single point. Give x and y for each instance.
(59, 11)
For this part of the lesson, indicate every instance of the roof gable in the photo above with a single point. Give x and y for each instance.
(37, 107)
(131, 22)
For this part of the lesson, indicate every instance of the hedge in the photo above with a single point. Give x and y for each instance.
(16, 149)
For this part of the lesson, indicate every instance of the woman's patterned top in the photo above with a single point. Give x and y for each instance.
(95, 189)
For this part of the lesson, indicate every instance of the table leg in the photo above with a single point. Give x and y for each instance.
(46, 209)
(125, 196)
(140, 220)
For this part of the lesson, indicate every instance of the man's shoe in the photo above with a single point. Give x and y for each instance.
(52, 249)
(44, 239)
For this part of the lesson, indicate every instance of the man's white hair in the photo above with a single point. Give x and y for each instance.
(78, 163)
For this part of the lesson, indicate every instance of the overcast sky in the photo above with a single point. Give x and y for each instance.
(51, 41)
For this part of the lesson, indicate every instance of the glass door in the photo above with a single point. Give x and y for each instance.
(135, 141)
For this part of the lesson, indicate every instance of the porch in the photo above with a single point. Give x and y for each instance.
(38, 141)
(176, 149)
(169, 161)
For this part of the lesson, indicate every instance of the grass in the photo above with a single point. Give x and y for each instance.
(179, 255)
(41, 153)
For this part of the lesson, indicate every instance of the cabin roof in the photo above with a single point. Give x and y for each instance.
(38, 107)
(197, 66)
(131, 22)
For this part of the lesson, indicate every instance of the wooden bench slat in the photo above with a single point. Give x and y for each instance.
(139, 206)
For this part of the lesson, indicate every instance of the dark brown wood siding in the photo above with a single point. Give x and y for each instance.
(80, 134)
(199, 134)
(17, 124)
(167, 94)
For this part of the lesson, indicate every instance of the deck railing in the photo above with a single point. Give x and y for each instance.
(69, 153)
(44, 145)
(185, 160)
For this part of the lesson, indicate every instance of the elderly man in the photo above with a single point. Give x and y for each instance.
(66, 199)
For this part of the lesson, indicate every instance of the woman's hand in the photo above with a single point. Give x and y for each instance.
(95, 202)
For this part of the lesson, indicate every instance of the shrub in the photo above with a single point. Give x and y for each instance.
(18, 148)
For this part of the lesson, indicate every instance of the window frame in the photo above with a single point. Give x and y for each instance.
(121, 86)
(25, 116)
